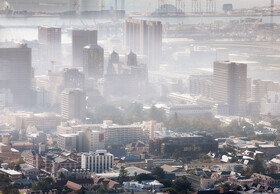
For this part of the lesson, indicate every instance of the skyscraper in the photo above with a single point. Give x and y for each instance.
(66, 78)
(145, 38)
(51, 38)
(73, 104)
(93, 61)
(230, 85)
(16, 73)
(80, 39)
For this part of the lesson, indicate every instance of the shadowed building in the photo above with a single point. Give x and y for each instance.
(16, 73)
(191, 145)
(80, 39)
(93, 61)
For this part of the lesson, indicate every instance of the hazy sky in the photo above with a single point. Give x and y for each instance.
(150, 5)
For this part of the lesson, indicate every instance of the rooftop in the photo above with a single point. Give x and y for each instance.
(10, 172)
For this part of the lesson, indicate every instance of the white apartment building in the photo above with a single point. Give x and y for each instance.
(122, 134)
(67, 141)
(271, 104)
(98, 161)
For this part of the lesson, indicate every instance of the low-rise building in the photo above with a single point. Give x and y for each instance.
(98, 161)
(12, 174)
(189, 145)
(28, 170)
(240, 181)
(269, 180)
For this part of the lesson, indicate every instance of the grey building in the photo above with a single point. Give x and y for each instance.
(93, 61)
(80, 39)
(230, 86)
(16, 73)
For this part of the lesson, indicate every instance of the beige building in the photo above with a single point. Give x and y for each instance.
(230, 81)
(122, 134)
(73, 104)
(261, 88)
(51, 38)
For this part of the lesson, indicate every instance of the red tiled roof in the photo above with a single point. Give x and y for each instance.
(73, 186)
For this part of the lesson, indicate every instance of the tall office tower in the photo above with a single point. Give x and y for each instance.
(145, 38)
(73, 104)
(131, 59)
(93, 61)
(16, 73)
(80, 39)
(51, 38)
(230, 86)
(66, 78)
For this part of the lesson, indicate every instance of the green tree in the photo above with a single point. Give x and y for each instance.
(43, 184)
(144, 177)
(182, 185)
(123, 176)
(258, 166)
(134, 112)
(166, 182)
(158, 173)
(17, 167)
(170, 190)
(157, 114)
(61, 176)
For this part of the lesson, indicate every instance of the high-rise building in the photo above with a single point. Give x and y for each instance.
(51, 38)
(16, 73)
(230, 86)
(98, 161)
(80, 39)
(93, 140)
(73, 104)
(66, 78)
(145, 38)
(93, 61)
